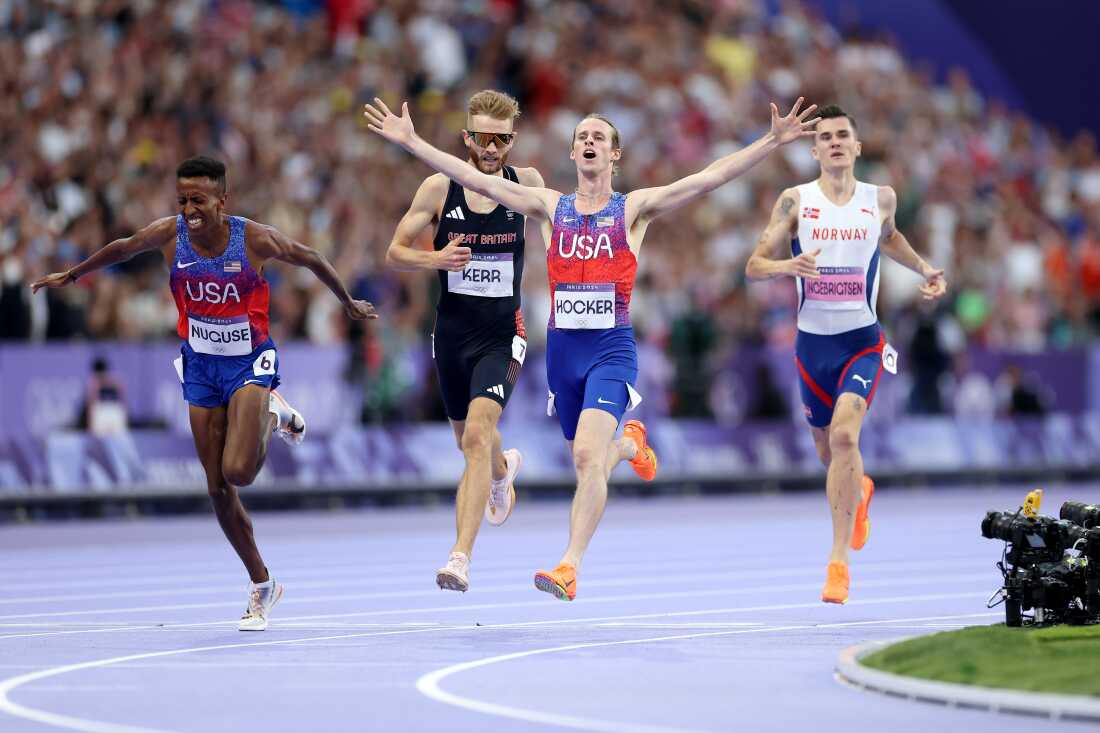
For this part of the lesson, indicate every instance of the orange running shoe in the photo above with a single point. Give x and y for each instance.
(561, 582)
(862, 529)
(836, 583)
(644, 461)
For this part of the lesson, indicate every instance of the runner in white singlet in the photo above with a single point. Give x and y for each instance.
(828, 235)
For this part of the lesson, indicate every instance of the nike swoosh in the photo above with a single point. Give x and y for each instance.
(185, 265)
(253, 381)
(602, 401)
(567, 220)
(571, 582)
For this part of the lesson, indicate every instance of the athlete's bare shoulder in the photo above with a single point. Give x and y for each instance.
(887, 198)
(786, 206)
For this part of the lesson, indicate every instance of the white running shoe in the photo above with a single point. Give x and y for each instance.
(260, 603)
(455, 575)
(502, 497)
(290, 425)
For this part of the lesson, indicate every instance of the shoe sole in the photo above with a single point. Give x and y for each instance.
(278, 597)
(548, 585)
(839, 602)
(447, 580)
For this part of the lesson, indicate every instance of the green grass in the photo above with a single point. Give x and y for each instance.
(1061, 659)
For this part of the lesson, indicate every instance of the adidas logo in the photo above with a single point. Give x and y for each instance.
(456, 213)
(498, 390)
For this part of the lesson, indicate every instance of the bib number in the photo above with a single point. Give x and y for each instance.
(486, 276)
(264, 364)
(890, 359)
(220, 336)
(584, 305)
(519, 349)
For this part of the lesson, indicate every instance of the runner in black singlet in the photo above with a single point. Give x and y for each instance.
(479, 342)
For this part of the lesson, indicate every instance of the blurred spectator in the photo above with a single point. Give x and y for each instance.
(102, 100)
(104, 402)
(1019, 398)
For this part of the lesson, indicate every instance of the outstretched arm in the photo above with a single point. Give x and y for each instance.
(770, 258)
(652, 202)
(534, 202)
(422, 213)
(895, 246)
(269, 243)
(153, 236)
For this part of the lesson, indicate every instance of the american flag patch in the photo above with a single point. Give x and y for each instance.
(233, 266)
(605, 221)
(808, 212)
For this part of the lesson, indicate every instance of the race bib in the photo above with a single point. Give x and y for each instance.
(486, 276)
(584, 305)
(838, 285)
(220, 336)
(890, 359)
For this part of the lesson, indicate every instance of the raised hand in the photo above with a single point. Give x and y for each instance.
(359, 310)
(934, 284)
(395, 129)
(805, 265)
(452, 258)
(794, 125)
(54, 280)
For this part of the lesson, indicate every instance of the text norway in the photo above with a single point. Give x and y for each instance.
(215, 336)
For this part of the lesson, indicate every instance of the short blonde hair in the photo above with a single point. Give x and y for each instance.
(492, 103)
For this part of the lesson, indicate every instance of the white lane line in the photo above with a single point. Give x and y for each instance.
(92, 726)
(428, 684)
(515, 604)
(727, 590)
(186, 585)
(95, 726)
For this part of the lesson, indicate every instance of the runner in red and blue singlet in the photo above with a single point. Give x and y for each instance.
(228, 365)
(593, 239)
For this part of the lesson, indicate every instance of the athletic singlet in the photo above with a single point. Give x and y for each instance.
(590, 266)
(488, 289)
(222, 301)
(844, 298)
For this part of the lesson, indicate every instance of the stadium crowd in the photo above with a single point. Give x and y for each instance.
(101, 100)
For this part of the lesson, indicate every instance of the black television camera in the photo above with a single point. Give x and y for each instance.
(1050, 566)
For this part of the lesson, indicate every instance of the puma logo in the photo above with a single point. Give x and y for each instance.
(861, 380)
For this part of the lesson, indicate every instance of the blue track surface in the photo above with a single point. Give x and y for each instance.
(692, 615)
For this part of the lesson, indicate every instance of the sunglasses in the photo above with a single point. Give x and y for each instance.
(484, 139)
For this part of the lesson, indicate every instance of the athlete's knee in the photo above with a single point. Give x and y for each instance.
(588, 458)
(823, 452)
(477, 437)
(221, 492)
(238, 471)
(843, 439)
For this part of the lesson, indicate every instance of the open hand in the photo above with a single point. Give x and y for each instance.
(395, 129)
(794, 125)
(805, 265)
(359, 310)
(452, 258)
(934, 284)
(54, 280)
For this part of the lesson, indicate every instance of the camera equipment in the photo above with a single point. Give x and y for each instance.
(1050, 566)
(1086, 515)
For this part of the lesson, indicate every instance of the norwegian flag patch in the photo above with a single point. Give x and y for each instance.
(809, 212)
